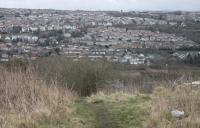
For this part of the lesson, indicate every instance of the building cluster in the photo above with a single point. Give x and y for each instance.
(31, 34)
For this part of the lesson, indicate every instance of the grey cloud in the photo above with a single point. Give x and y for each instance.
(191, 5)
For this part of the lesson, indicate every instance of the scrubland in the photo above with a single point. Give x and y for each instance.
(61, 93)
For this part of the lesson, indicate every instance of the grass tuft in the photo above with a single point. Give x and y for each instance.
(26, 101)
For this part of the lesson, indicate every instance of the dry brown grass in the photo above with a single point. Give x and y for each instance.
(25, 99)
(183, 98)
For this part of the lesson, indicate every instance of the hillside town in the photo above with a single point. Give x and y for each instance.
(114, 36)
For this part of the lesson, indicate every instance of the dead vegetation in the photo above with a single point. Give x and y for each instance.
(25, 98)
(35, 97)
(183, 98)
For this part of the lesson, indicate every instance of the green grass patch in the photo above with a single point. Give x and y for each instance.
(114, 111)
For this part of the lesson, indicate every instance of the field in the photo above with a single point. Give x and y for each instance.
(62, 93)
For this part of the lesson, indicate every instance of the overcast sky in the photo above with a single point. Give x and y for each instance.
(169, 5)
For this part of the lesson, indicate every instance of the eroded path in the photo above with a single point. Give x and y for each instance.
(112, 113)
(103, 116)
